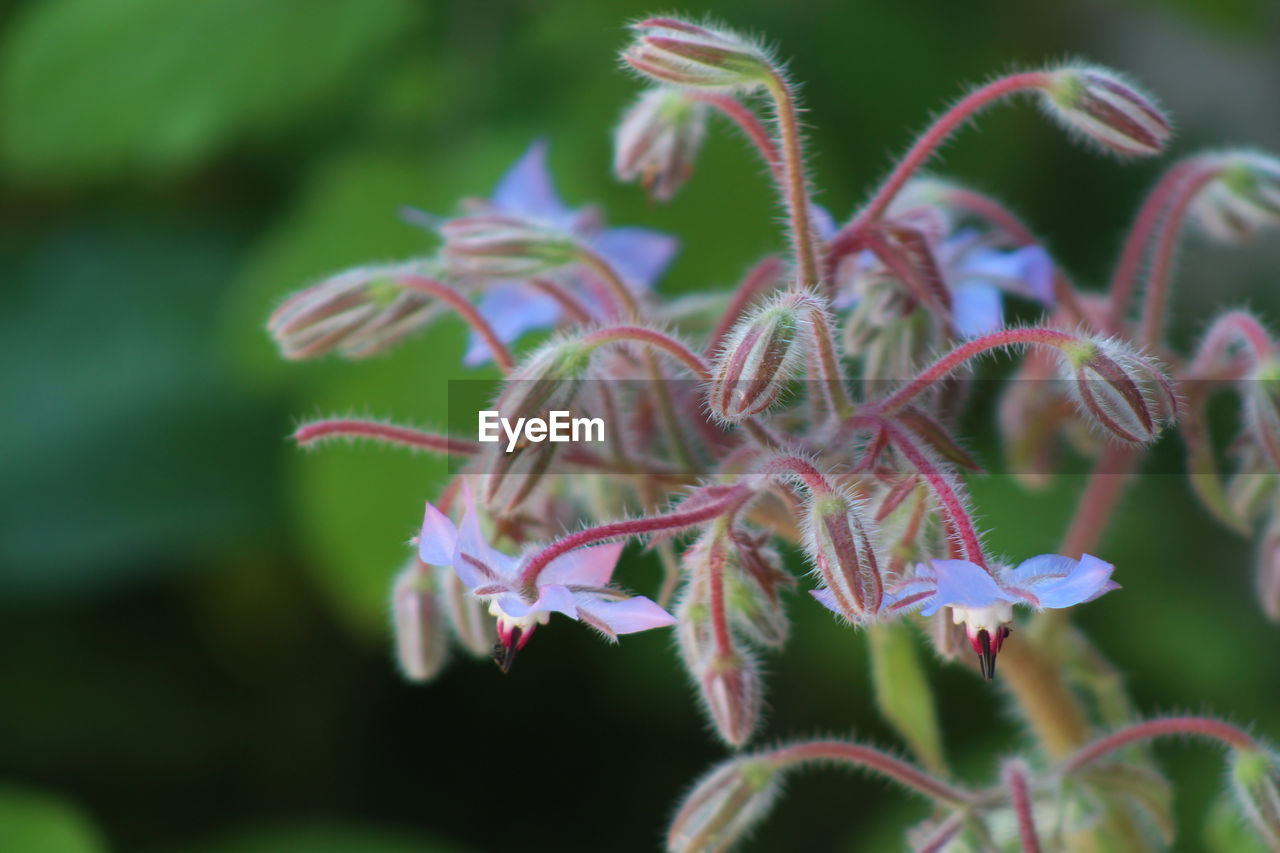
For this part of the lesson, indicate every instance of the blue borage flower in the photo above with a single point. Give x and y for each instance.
(983, 601)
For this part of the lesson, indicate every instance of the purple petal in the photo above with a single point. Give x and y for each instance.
(964, 584)
(584, 567)
(473, 549)
(977, 309)
(1027, 271)
(827, 599)
(526, 189)
(1084, 581)
(922, 587)
(512, 308)
(640, 255)
(555, 598)
(621, 617)
(439, 538)
(823, 222)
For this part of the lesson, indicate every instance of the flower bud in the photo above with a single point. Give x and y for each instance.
(356, 313)
(1268, 571)
(731, 687)
(468, 616)
(1124, 393)
(658, 139)
(684, 54)
(1101, 106)
(724, 806)
(763, 353)
(422, 642)
(1261, 397)
(1255, 782)
(838, 539)
(1244, 198)
(499, 246)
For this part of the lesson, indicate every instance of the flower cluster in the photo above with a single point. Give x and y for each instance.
(817, 406)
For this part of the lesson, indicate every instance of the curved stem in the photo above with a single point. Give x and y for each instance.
(314, 432)
(970, 349)
(802, 469)
(624, 299)
(886, 765)
(469, 312)
(663, 342)
(1203, 727)
(1228, 328)
(795, 190)
(762, 275)
(752, 126)
(1021, 799)
(566, 300)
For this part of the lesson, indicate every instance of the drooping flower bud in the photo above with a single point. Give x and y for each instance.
(1255, 782)
(467, 615)
(422, 642)
(732, 688)
(724, 806)
(499, 246)
(355, 313)
(1121, 391)
(761, 356)
(1267, 577)
(838, 539)
(658, 140)
(1242, 199)
(1103, 107)
(684, 54)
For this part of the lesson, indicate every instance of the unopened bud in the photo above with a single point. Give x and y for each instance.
(355, 313)
(731, 686)
(838, 539)
(422, 641)
(724, 806)
(499, 246)
(658, 140)
(683, 54)
(1124, 393)
(1268, 571)
(1255, 782)
(467, 615)
(1242, 199)
(1102, 106)
(761, 356)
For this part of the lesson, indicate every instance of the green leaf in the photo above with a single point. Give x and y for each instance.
(903, 694)
(98, 87)
(35, 821)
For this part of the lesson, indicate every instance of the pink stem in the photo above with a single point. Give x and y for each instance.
(732, 498)
(666, 343)
(566, 300)
(794, 465)
(459, 303)
(752, 126)
(761, 276)
(1205, 727)
(975, 347)
(415, 439)
(624, 300)
(873, 759)
(1021, 799)
(795, 190)
(1232, 326)
(719, 618)
(943, 834)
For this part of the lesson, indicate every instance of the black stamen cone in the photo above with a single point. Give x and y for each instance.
(987, 658)
(505, 655)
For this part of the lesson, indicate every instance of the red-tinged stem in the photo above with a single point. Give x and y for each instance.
(988, 208)
(566, 300)
(762, 276)
(828, 363)
(414, 439)
(1158, 282)
(624, 299)
(459, 303)
(952, 505)
(1021, 799)
(719, 618)
(1202, 727)
(795, 189)
(1125, 277)
(886, 765)
(788, 466)
(1097, 503)
(943, 834)
(970, 349)
(750, 124)
(671, 521)
(938, 132)
(1230, 327)
(665, 343)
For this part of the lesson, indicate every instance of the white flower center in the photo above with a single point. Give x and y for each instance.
(983, 618)
(524, 623)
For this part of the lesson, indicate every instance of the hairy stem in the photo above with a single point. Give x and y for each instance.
(899, 771)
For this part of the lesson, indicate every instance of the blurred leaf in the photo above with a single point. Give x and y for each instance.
(1227, 831)
(35, 821)
(91, 87)
(325, 838)
(903, 694)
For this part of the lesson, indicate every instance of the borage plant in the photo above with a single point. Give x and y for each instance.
(816, 405)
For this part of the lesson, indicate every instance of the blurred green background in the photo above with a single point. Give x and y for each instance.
(193, 628)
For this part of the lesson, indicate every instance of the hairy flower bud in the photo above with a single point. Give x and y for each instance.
(1242, 199)
(683, 54)
(763, 353)
(1121, 391)
(658, 139)
(500, 246)
(838, 539)
(467, 615)
(356, 313)
(422, 642)
(732, 688)
(1102, 106)
(1267, 570)
(1255, 782)
(724, 806)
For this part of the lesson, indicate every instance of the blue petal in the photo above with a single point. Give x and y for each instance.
(640, 254)
(511, 309)
(823, 222)
(438, 539)
(1027, 271)
(591, 566)
(977, 309)
(1083, 581)
(825, 597)
(526, 189)
(964, 584)
(626, 616)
